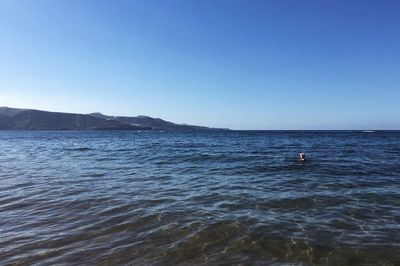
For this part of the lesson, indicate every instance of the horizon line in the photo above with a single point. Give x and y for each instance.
(363, 129)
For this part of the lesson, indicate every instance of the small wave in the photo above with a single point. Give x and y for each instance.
(78, 149)
(125, 149)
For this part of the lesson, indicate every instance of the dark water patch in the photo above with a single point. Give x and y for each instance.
(78, 149)
(93, 175)
(106, 159)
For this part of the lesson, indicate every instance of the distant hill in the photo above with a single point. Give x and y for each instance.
(154, 123)
(28, 119)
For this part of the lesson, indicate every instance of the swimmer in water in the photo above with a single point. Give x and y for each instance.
(302, 156)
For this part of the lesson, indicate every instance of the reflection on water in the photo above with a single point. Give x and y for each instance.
(144, 198)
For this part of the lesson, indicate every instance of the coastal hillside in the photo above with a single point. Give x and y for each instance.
(154, 123)
(28, 119)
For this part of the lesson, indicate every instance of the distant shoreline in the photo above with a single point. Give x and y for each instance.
(29, 119)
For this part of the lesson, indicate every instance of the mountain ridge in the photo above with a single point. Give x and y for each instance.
(32, 119)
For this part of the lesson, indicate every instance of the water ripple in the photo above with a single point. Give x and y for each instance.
(219, 198)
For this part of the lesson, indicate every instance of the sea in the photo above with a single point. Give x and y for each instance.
(199, 198)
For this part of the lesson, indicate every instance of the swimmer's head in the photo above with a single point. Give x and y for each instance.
(302, 156)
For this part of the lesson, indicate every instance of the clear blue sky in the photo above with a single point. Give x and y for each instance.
(271, 64)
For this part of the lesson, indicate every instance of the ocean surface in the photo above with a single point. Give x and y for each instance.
(206, 198)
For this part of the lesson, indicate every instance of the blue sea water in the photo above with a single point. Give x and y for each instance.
(202, 198)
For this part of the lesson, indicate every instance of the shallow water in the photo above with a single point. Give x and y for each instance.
(162, 198)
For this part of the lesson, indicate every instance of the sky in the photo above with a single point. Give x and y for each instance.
(270, 64)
